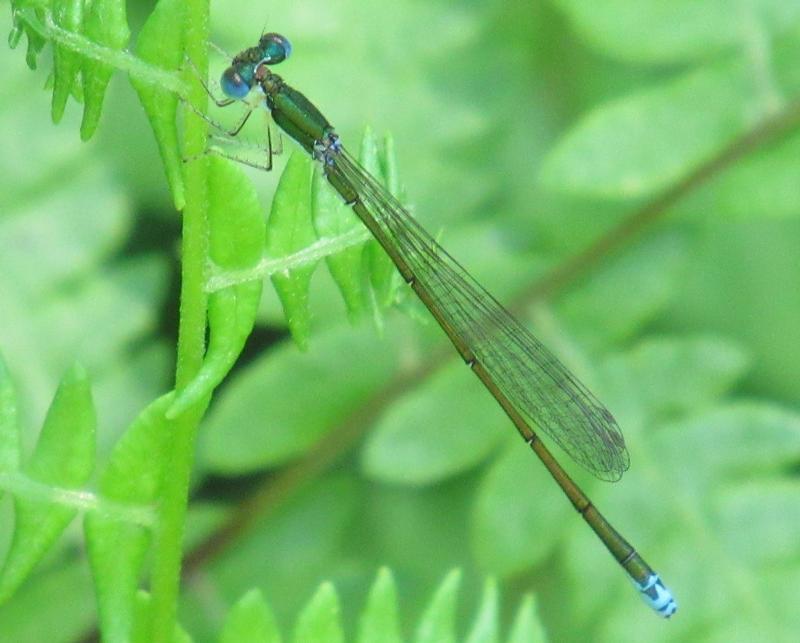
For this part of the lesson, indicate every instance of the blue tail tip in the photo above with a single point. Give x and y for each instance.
(657, 596)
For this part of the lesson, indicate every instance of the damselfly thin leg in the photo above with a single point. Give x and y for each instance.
(219, 102)
(243, 159)
(232, 133)
(219, 50)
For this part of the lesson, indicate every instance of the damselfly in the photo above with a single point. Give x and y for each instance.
(527, 380)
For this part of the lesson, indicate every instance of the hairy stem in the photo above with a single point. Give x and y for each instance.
(179, 457)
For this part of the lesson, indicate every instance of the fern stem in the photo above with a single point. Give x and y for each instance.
(119, 59)
(178, 459)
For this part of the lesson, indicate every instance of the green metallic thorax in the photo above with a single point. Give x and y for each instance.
(293, 112)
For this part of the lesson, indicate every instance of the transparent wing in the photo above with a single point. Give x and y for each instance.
(541, 389)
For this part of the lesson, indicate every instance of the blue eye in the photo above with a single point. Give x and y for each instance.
(233, 85)
(274, 48)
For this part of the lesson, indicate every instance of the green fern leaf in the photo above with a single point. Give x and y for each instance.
(9, 423)
(63, 457)
(657, 134)
(116, 546)
(160, 43)
(250, 621)
(402, 448)
(378, 622)
(282, 381)
(289, 229)
(106, 24)
(320, 619)
(236, 228)
(437, 624)
(682, 30)
(67, 14)
(526, 627)
(486, 626)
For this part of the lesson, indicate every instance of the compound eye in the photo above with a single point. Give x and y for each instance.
(274, 48)
(233, 85)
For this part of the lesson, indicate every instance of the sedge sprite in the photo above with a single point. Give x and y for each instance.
(526, 379)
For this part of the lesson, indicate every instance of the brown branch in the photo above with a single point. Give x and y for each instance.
(571, 270)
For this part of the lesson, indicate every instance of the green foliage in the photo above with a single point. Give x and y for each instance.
(236, 229)
(680, 113)
(485, 626)
(67, 14)
(283, 380)
(9, 423)
(683, 30)
(116, 547)
(526, 628)
(106, 24)
(320, 620)
(642, 162)
(438, 619)
(382, 273)
(63, 458)
(160, 43)
(379, 621)
(250, 621)
(403, 448)
(289, 231)
(334, 218)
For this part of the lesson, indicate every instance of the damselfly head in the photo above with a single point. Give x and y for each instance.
(238, 79)
(274, 48)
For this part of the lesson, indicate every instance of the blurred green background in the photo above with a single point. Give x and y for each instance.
(525, 130)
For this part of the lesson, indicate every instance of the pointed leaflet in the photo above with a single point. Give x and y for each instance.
(106, 24)
(21, 17)
(658, 32)
(486, 627)
(9, 423)
(526, 627)
(504, 516)
(379, 621)
(658, 135)
(160, 43)
(250, 621)
(289, 229)
(671, 376)
(116, 548)
(629, 290)
(64, 458)
(391, 178)
(320, 620)
(236, 228)
(469, 424)
(270, 390)
(381, 268)
(438, 622)
(67, 14)
(141, 632)
(64, 453)
(333, 218)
